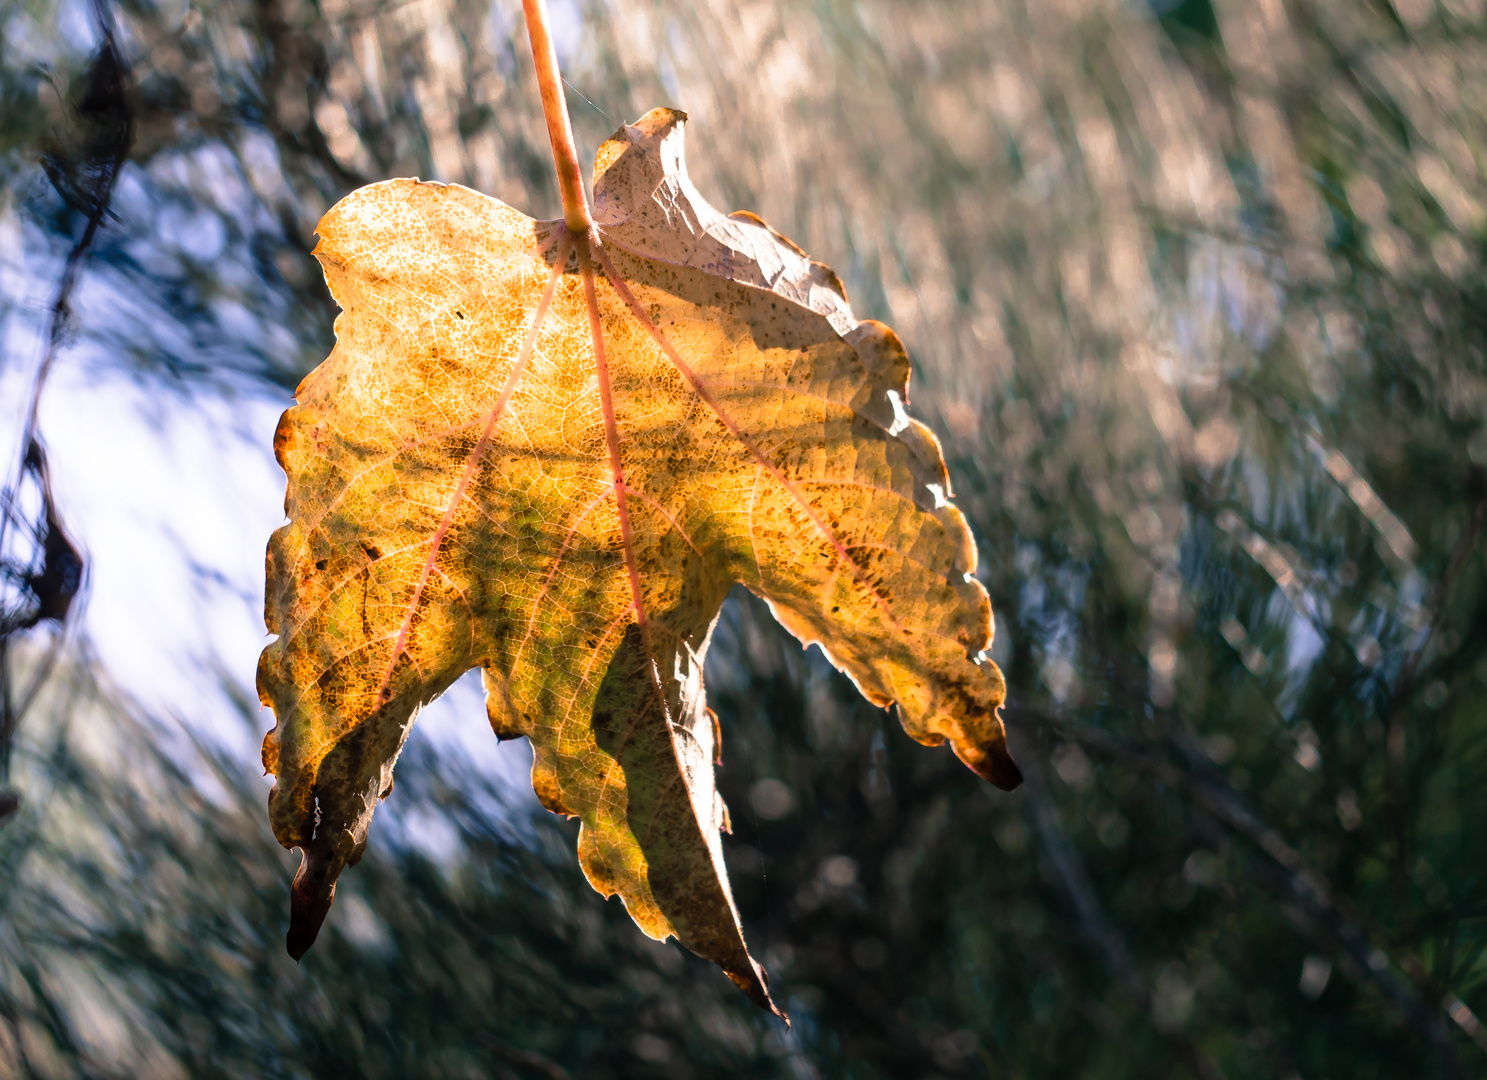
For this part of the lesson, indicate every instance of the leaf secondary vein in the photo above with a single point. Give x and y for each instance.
(701, 390)
(552, 573)
(667, 515)
(473, 463)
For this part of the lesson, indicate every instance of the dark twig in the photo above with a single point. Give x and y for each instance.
(1226, 805)
(1101, 933)
(84, 168)
(1394, 741)
(84, 175)
(526, 1059)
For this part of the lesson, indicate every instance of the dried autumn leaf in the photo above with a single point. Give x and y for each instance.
(549, 456)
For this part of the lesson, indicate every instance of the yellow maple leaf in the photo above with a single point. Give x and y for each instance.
(549, 454)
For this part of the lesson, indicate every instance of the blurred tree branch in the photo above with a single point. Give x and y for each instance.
(1216, 797)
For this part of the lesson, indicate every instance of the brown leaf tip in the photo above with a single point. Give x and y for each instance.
(998, 767)
(992, 761)
(757, 988)
(306, 916)
(311, 896)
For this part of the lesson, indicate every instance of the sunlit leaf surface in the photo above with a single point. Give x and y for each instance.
(1192, 293)
(551, 456)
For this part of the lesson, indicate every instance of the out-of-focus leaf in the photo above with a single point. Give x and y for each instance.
(550, 456)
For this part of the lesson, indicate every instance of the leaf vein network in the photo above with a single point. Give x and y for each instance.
(700, 388)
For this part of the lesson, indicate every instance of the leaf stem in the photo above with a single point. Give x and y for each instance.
(559, 128)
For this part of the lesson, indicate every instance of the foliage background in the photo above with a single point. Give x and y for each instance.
(1195, 294)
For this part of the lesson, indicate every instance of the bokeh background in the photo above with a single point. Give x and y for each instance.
(1196, 300)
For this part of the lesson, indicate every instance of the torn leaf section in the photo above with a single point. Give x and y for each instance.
(653, 834)
(645, 203)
